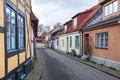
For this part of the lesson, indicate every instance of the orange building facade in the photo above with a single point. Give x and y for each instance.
(101, 40)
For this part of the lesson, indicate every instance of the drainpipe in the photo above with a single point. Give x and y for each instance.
(81, 43)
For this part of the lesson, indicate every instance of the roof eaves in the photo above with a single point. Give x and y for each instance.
(114, 19)
(103, 2)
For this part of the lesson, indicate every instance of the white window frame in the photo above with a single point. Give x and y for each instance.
(102, 40)
(75, 22)
(70, 41)
(65, 28)
(111, 8)
(77, 42)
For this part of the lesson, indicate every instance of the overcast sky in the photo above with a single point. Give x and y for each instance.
(50, 12)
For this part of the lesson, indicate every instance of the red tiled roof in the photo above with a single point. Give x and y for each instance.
(70, 26)
(82, 19)
(61, 30)
(86, 16)
(33, 17)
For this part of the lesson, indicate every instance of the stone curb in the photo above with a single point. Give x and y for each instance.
(41, 67)
(84, 62)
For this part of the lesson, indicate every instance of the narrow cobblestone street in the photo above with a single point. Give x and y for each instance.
(59, 67)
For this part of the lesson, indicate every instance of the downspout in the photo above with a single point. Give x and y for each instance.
(81, 42)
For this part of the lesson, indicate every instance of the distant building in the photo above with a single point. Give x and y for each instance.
(41, 38)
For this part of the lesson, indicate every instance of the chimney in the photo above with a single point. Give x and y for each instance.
(100, 1)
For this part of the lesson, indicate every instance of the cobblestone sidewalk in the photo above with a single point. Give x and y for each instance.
(36, 72)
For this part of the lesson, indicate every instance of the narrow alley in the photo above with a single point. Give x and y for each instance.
(59, 67)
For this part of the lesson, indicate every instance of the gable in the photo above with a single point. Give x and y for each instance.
(95, 19)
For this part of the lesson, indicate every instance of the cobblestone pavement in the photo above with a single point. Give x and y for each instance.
(36, 72)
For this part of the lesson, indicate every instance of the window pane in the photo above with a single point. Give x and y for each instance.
(106, 10)
(22, 45)
(21, 22)
(65, 28)
(8, 42)
(110, 8)
(97, 40)
(106, 40)
(13, 29)
(77, 42)
(75, 22)
(8, 28)
(63, 42)
(13, 43)
(19, 42)
(13, 17)
(21, 31)
(8, 14)
(102, 40)
(115, 6)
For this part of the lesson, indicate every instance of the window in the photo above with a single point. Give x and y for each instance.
(111, 8)
(77, 42)
(57, 42)
(23, 72)
(102, 40)
(21, 32)
(63, 42)
(11, 28)
(12, 77)
(70, 42)
(65, 28)
(75, 22)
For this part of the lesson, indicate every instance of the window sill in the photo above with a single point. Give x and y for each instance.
(22, 50)
(10, 51)
(100, 48)
(15, 52)
(76, 48)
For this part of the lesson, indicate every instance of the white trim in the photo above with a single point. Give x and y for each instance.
(77, 32)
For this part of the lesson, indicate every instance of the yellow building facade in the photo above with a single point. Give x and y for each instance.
(62, 43)
(15, 57)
